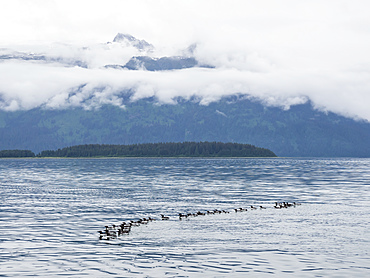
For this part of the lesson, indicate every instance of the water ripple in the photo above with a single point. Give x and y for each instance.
(52, 209)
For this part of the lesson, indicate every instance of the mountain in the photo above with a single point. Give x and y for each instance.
(157, 64)
(137, 62)
(299, 131)
(32, 57)
(132, 41)
(164, 63)
(184, 61)
(69, 55)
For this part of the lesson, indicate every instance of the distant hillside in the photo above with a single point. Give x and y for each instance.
(299, 131)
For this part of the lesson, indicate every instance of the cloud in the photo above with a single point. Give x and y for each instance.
(281, 52)
(27, 85)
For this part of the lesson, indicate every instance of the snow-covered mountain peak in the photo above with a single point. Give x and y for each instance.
(130, 40)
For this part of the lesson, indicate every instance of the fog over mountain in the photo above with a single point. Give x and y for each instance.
(87, 54)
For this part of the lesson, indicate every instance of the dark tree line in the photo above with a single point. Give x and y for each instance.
(16, 153)
(186, 149)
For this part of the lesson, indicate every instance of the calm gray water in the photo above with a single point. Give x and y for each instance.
(52, 209)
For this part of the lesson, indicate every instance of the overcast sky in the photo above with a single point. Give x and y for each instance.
(283, 52)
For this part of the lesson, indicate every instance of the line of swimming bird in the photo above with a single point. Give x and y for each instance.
(115, 231)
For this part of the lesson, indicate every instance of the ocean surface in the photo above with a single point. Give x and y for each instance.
(52, 209)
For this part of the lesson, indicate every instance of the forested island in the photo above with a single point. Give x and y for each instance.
(185, 149)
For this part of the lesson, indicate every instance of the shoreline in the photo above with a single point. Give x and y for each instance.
(145, 157)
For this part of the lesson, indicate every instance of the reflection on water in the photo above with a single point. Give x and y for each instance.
(52, 209)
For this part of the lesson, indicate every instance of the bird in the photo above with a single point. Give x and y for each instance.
(143, 221)
(101, 235)
(164, 217)
(125, 228)
(134, 223)
(240, 209)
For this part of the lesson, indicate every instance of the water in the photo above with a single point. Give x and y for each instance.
(52, 209)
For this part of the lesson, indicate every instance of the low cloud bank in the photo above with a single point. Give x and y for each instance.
(27, 85)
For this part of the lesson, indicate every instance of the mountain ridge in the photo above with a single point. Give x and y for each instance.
(299, 131)
(86, 117)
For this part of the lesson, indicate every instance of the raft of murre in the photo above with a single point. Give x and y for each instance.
(115, 231)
